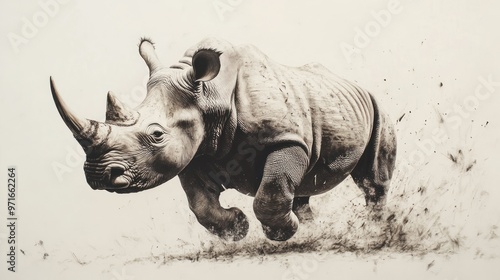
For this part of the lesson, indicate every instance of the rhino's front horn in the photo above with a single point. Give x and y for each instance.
(87, 132)
(147, 51)
(119, 114)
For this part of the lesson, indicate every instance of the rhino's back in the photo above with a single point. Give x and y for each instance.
(330, 117)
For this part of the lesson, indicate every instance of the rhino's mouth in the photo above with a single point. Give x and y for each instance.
(126, 190)
(99, 185)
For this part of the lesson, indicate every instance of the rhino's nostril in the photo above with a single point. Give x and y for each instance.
(116, 171)
(116, 176)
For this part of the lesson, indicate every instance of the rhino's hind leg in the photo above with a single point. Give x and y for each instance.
(203, 197)
(373, 172)
(283, 172)
(302, 209)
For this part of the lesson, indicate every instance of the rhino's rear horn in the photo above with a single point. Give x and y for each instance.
(147, 51)
(118, 113)
(87, 132)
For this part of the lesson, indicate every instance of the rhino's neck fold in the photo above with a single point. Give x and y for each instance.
(220, 127)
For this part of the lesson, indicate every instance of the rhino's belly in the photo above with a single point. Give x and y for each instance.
(325, 176)
(243, 169)
(321, 178)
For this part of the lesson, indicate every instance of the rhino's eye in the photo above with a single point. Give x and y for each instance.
(156, 133)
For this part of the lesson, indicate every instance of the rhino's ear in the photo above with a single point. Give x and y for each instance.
(206, 64)
(147, 51)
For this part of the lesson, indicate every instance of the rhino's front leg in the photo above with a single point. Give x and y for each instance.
(203, 197)
(283, 172)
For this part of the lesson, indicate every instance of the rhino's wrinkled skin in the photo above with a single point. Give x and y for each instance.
(229, 117)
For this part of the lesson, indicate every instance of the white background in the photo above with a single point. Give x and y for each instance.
(67, 230)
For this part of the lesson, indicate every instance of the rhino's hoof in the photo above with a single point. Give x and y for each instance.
(241, 226)
(237, 229)
(282, 233)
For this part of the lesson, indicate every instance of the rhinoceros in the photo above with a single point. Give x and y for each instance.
(228, 117)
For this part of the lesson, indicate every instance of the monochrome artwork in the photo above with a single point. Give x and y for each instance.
(338, 140)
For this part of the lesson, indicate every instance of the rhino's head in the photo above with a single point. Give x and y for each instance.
(141, 148)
